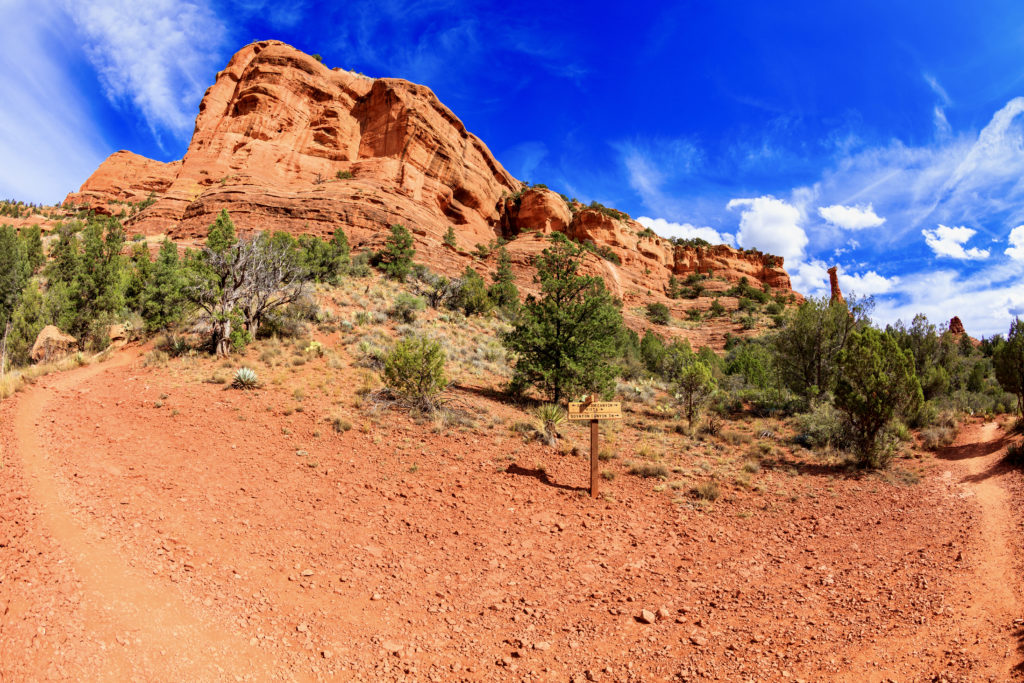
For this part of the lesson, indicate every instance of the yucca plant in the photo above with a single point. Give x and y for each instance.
(550, 416)
(245, 378)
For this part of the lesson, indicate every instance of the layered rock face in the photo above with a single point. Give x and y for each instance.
(285, 143)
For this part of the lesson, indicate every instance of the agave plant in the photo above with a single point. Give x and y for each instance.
(245, 378)
(550, 416)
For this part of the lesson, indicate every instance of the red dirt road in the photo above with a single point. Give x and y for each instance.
(156, 528)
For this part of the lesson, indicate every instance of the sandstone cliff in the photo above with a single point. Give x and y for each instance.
(285, 143)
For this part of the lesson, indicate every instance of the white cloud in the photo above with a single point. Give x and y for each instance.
(771, 225)
(867, 284)
(1016, 240)
(159, 55)
(685, 230)
(851, 217)
(48, 143)
(947, 241)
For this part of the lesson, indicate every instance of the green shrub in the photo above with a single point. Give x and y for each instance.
(414, 371)
(395, 258)
(345, 175)
(658, 313)
(717, 309)
(405, 307)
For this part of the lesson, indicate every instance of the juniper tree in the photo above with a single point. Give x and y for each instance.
(1008, 358)
(565, 342)
(164, 300)
(875, 382)
(395, 258)
(503, 291)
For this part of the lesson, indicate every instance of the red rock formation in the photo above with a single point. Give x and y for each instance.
(284, 143)
(956, 328)
(833, 281)
(51, 344)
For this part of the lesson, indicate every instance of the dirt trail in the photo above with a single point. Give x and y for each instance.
(997, 601)
(981, 636)
(147, 630)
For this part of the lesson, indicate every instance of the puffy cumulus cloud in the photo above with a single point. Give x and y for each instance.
(686, 231)
(771, 225)
(851, 217)
(159, 55)
(947, 241)
(986, 307)
(867, 284)
(1016, 240)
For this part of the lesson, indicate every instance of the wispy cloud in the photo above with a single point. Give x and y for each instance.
(156, 55)
(48, 143)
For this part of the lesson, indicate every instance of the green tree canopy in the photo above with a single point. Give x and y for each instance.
(875, 382)
(566, 342)
(396, 257)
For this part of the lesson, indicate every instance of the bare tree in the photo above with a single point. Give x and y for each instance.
(250, 278)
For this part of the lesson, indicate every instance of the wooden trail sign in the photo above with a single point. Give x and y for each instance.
(595, 411)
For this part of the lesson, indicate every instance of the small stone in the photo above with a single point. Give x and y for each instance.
(699, 641)
(307, 572)
(302, 628)
(375, 596)
(391, 646)
(663, 613)
(543, 646)
(647, 617)
(960, 556)
(326, 654)
(301, 453)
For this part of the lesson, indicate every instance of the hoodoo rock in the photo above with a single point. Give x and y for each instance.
(956, 327)
(833, 281)
(285, 143)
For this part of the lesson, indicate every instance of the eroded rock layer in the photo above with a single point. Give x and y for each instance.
(285, 143)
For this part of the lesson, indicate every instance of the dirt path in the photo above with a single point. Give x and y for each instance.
(980, 637)
(995, 583)
(145, 628)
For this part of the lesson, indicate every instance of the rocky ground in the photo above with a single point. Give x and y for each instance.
(157, 526)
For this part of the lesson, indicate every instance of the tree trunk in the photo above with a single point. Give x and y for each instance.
(3, 349)
(224, 338)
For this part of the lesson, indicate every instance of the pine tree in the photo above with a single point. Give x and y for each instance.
(139, 274)
(565, 343)
(33, 241)
(222, 233)
(876, 381)
(1008, 358)
(503, 291)
(28, 320)
(163, 302)
(396, 257)
(342, 254)
(449, 238)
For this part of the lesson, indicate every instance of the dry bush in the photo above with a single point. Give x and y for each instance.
(649, 470)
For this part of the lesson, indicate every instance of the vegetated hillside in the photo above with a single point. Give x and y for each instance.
(313, 527)
(282, 142)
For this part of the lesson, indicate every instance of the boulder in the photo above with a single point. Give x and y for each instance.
(51, 344)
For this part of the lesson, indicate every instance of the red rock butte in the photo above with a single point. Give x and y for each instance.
(285, 143)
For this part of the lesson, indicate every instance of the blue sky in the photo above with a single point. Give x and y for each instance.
(883, 137)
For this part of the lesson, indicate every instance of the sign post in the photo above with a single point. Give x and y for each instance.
(594, 411)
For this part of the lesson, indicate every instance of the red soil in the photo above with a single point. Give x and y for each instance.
(195, 540)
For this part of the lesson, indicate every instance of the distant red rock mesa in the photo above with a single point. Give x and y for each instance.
(285, 143)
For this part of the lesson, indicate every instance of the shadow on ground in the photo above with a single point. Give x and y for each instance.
(542, 477)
